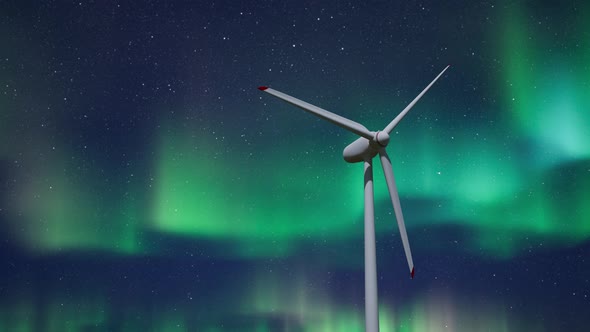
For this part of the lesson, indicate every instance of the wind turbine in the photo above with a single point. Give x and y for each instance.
(364, 149)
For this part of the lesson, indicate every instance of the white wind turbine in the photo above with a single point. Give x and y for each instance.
(364, 149)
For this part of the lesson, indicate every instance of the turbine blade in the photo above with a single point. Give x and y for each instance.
(400, 116)
(388, 171)
(336, 119)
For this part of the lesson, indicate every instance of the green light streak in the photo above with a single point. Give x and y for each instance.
(264, 208)
(475, 176)
(16, 313)
(170, 321)
(547, 96)
(63, 212)
(265, 301)
(61, 312)
(282, 198)
(437, 310)
(66, 315)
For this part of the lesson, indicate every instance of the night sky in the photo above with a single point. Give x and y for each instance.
(147, 185)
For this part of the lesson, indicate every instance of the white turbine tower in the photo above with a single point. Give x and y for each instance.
(364, 149)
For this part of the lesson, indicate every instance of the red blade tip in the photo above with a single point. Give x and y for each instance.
(262, 88)
(412, 273)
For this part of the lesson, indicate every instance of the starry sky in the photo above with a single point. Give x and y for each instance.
(147, 185)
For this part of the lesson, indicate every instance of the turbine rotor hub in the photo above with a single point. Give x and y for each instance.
(381, 138)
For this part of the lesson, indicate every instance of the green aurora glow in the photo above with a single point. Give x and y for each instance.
(498, 150)
(545, 91)
(477, 176)
(287, 195)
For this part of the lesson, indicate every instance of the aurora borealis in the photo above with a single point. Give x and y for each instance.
(147, 185)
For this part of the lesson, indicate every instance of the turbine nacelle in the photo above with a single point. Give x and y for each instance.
(363, 149)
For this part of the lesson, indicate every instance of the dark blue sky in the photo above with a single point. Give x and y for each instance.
(147, 185)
